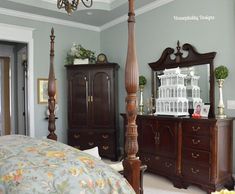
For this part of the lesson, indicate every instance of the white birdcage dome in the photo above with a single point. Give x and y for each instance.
(172, 93)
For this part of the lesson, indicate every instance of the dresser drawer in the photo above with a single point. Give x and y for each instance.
(196, 156)
(195, 173)
(196, 128)
(196, 142)
(167, 165)
(158, 163)
(106, 148)
(82, 140)
(106, 137)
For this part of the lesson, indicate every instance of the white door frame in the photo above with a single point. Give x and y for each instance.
(21, 34)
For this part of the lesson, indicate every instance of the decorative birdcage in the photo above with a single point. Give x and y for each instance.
(172, 99)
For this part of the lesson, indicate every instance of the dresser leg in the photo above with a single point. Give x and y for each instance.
(209, 191)
(230, 184)
(185, 185)
(178, 184)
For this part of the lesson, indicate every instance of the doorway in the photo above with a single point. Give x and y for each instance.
(13, 88)
(16, 33)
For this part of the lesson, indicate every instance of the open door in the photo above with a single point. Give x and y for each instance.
(5, 120)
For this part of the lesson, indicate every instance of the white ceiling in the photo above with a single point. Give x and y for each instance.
(103, 13)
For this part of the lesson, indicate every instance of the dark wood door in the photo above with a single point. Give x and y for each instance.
(148, 135)
(166, 138)
(78, 83)
(101, 91)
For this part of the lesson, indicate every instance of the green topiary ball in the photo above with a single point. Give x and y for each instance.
(142, 80)
(221, 72)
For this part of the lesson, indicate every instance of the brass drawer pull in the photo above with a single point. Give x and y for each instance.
(168, 165)
(195, 171)
(195, 155)
(91, 143)
(157, 138)
(105, 136)
(196, 142)
(157, 157)
(146, 159)
(196, 129)
(105, 147)
(76, 136)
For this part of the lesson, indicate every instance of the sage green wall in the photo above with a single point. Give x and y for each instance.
(65, 36)
(157, 30)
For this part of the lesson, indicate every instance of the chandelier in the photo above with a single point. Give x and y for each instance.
(71, 5)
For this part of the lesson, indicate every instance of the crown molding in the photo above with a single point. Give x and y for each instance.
(139, 11)
(41, 18)
(107, 5)
(30, 16)
(116, 3)
(10, 26)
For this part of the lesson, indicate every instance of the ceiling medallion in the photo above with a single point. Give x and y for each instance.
(71, 5)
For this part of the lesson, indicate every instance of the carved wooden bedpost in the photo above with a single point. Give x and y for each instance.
(51, 92)
(131, 163)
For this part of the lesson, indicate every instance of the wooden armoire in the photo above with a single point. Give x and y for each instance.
(93, 107)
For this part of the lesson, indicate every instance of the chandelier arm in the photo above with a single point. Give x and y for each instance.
(71, 5)
(60, 4)
(87, 3)
(75, 3)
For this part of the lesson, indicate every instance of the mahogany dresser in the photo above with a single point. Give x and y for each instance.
(93, 107)
(187, 151)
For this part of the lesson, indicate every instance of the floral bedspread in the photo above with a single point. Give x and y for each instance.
(42, 166)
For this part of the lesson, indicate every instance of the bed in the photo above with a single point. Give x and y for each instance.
(30, 165)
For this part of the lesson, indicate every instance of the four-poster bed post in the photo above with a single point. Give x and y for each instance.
(131, 163)
(51, 91)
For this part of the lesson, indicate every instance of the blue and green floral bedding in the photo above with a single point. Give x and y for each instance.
(42, 166)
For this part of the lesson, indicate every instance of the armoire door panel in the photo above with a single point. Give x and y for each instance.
(148, 136)
(166, 140)
(102, 99)
(78, 100)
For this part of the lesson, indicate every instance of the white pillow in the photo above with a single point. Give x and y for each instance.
(117, 166)
(94, 152)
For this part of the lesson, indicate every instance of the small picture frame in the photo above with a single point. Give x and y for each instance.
(43, 91)
(205, 110)
(197, 108)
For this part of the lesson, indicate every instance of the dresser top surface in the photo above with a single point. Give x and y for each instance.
(186, 118)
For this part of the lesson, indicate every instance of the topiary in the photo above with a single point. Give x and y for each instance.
(142, 80)
(221, 72)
